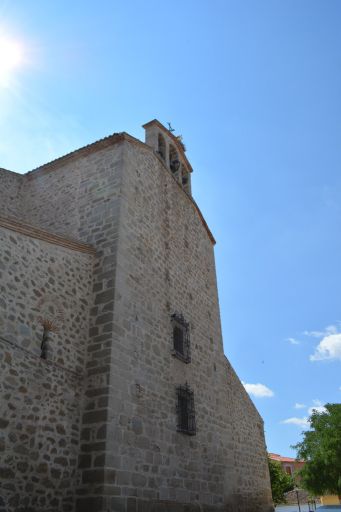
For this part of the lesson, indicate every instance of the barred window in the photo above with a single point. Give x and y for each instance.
(185, 410)
(181, 341)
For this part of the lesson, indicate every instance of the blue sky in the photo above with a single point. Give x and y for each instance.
(254, 88)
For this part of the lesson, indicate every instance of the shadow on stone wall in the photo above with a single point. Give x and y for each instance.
(39, 432)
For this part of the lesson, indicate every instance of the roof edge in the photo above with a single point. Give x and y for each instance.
(106, 142)
(281, 458)
(46, 236)
(110, 140)
(132, 139)
(2, 169)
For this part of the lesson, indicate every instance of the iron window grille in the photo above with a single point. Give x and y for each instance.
(181, 338)
(185, 410)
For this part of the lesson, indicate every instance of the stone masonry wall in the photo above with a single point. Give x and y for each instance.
(42, 280)
(41, 400)
(51, 199)
(89, 191)
(165, 263)
(247, 484)
(10, 193)
(39, 432)
(72, 197)
(153, 257)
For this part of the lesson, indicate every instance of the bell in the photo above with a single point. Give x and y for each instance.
(175, 165)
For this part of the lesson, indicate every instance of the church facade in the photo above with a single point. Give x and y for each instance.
(115, 391)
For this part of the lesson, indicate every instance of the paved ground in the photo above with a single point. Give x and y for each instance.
(305, 508)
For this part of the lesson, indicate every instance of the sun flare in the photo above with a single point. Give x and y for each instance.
(11, 57)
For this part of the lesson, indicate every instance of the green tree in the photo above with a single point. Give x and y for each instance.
(281, 482)
(321, 449)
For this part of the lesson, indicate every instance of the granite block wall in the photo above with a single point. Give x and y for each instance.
(40, 280)
(10, 192)
(41, 400)
(165, 263)
(92, 202)
(71, 197)
(154, 257)
(40, 405)
(246, 484)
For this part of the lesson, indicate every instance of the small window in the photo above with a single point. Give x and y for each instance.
(185, 410)
(181, 341)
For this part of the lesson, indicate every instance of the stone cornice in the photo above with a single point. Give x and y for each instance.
(46, 236)
(129, 138)
(204, 223)
(18, 175)
(78, 153)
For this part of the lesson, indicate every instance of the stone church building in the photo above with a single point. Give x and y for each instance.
(115, 391)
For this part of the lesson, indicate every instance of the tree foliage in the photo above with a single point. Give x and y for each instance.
(321, 449)
(281, 482)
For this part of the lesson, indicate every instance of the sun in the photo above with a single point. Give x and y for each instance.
(11, 57)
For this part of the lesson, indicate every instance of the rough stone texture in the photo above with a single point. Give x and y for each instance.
(10, 193)
(41, 400)
(39, 432)
(40, 280)
(154, 257)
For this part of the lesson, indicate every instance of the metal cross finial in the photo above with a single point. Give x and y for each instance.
(170, 128)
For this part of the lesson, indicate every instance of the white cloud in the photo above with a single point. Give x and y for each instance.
(330, 329)
(293, 341)
(299, 406)
(300, 422)
(258, 390)
(318, 407)
(314, 334)
(329, 348)
(303, 422)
